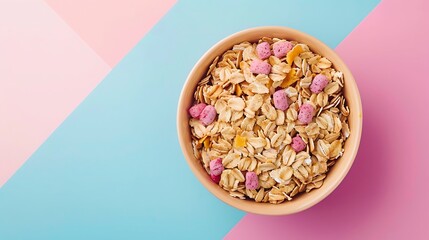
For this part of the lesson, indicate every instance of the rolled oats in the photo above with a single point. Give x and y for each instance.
(251, 136)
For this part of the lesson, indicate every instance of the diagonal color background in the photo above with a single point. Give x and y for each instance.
(111, 27)
(47, 69)
(105, 172)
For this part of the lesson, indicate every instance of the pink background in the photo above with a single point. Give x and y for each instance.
(113, 27)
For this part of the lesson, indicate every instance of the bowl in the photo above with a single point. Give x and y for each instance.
(336, 173)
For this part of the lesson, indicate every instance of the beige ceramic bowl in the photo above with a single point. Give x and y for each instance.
(336, 173)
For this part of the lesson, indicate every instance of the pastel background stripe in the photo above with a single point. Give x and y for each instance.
(114, 169)
(111, 27)
(47, 68)
(385, 194)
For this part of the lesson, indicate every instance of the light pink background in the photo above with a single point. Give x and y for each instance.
(385, 195)
(111, 27)
(47, 67)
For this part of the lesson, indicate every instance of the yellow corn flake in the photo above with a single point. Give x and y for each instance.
(292, 54)
(270, 83)
(201, 140)
(238, 90)
(206, 143)
(290, 79)
(239, 141)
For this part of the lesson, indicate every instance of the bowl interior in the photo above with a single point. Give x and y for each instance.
(336, 173)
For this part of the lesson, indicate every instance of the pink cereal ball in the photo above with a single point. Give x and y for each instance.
(260, 67)
(306, 113)
(280, 100)
(196, 110)
(215, 178)
(252, 181)
(208, 115)
(263, 50)
(280, 49)
(319, 83)
(298, 144)
(216, 167)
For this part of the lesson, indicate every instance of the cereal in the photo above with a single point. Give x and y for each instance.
(260, 67)
(291, 78)
(196, 110)
(240, 141)
(319, 83)
(306, 113)
(280, 100)
(269, 120)
(281, 48)
(298, 144)
(216, 167)
(251, 181)
(292, 54)
(208, 115)
(215, 178)
(263, 50)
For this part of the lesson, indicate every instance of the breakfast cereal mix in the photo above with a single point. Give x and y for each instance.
(269, 120)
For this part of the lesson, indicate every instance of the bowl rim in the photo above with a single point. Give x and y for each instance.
(238, 203)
